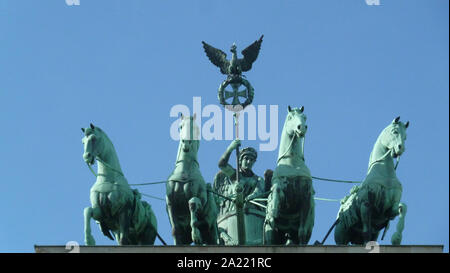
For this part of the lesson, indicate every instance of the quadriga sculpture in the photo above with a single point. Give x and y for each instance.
(290, 207)
(371, 205)
(115, 206)
(191, 207)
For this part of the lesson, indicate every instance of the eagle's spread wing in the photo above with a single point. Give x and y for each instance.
(250, 54)
(217, 57)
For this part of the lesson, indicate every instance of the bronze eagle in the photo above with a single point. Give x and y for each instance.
(235, 66)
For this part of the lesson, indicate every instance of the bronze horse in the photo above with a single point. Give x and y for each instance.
(191, 207)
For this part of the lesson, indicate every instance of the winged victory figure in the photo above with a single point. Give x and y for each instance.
(235, 66)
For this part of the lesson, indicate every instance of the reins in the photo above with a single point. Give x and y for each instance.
(382, 158)
(290, 144)
(104, 163)
(288, 148)
(314, 177)
(90, 168)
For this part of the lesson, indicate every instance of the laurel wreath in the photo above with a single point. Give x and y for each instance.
(236, 80)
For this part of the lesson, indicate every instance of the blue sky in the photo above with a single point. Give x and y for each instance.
(122, 65)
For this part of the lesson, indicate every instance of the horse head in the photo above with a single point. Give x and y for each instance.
(394, 136)
(93, 144)
(296, 122)
(189, 133)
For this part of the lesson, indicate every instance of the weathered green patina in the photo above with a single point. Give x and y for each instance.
(191, 207)
(230, 213)
(235, 66)
(251, 186)
(290, 206)
(371, 205)
(115, 206)
(233, 219)
(233, 69)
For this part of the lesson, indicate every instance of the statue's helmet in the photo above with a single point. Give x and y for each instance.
(249, 151)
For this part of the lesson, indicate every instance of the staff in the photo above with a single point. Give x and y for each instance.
(239, 200)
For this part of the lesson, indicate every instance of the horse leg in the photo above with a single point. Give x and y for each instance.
(271, 234)
(310, 220)
(213, 230)
(341, 234)
(194, 207)
(306, 222)
(148, 236)
(305, 227)
(178, 233)
(152, 230)
(211, 211)
(396, 238)
(274, 202)
(366, 217)
(124, 227)
(176, 229)
(89, 213)
(301, 235)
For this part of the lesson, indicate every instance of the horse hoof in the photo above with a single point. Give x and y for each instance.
(396, 239)
(366, 237)
(89, 241)
(196, 237)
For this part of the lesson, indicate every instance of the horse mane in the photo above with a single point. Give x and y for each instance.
(104, 136)
(108, 145)
(283, 132)
(371, 159)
